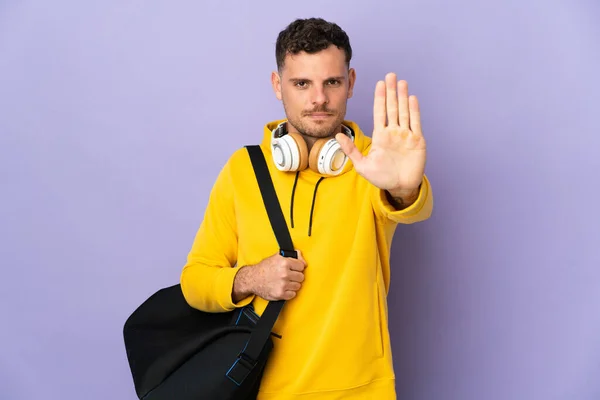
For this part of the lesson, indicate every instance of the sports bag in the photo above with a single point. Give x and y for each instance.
(176, 352)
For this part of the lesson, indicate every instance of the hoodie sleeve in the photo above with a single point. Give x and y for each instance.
(207, 277)
(420, 210)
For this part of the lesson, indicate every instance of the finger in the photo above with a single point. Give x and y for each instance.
(403, 104)
(349, 149)
(415, 115)
(379, 106)
(391, 99)
(296, 265)
(294, 286)
(288, 295)
(300, 257)
(295, 276)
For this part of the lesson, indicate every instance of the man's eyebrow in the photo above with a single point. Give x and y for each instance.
(336, 78)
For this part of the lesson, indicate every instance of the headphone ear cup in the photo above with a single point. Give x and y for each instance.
(327, 157)
(315, 153)
(302, 149)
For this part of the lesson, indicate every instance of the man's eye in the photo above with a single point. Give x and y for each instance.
(301, 84)
(333, 82)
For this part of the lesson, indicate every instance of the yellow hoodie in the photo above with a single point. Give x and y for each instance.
(335, 342)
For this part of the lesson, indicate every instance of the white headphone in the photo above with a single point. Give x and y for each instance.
(290, 152)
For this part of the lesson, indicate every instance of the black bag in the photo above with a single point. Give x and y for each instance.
(176, 352)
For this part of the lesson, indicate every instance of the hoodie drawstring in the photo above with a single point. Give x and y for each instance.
(312, 207)
(292, 203)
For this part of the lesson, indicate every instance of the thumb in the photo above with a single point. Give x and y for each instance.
(349, 148)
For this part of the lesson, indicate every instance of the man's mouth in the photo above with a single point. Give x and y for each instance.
(319, 115)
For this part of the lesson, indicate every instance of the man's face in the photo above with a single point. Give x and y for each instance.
(314, 89)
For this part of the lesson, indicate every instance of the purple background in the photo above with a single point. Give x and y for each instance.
(115, 118)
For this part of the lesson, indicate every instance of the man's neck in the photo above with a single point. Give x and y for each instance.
(310, 141)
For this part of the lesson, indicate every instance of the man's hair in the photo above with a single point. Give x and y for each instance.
(311, 36)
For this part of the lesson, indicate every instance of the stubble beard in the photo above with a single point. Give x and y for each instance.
(317, 129)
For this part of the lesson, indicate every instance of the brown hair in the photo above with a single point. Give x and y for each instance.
(311, 36)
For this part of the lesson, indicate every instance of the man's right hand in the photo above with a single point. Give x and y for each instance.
(274, 278)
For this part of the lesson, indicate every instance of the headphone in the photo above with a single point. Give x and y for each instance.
(290, 152)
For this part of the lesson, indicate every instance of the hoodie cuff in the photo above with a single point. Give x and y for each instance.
(418, 211)
(224, 288)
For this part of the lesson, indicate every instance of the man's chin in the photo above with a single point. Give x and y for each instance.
(320, 134)
(321, 128)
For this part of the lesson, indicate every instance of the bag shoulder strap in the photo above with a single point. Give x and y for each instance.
(269, 196)
(266, 322)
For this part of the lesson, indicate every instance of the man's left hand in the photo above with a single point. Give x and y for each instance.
(396, 160)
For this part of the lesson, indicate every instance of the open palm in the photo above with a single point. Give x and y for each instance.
(396, 160)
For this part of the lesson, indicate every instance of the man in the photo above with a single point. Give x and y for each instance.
(343, 194)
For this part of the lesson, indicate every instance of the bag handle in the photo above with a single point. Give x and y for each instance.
(247, 359)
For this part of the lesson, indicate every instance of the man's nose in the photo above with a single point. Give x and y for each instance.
(319, 97)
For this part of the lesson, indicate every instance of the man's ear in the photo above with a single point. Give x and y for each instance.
(276, 82)
(351, 81)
